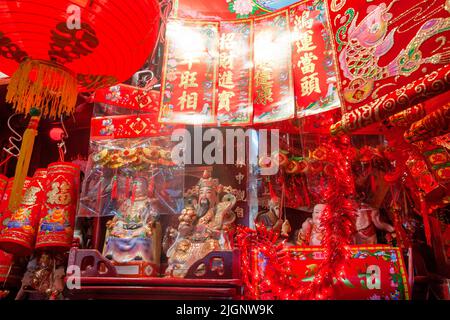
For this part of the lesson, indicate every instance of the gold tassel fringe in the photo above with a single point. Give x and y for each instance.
(23, 163)
(50, 88)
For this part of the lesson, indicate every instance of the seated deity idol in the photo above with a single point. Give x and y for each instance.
(311, 232)
(205, 225)
(134, 234)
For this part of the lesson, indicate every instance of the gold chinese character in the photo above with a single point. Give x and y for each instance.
(226, 79)
(263, 80)
(224, 100)
(305, 43)
(263, 76)
(310, 84)
(226, 41)
(226, 60)
(188, 80)
(30, 196)
(59, 194)
(306, 22)
(306, 63)
(188, 101)
(190, 59)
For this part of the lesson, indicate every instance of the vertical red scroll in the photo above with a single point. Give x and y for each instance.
(190, 72)
(235, 101)
(273, 98)
(312, 60)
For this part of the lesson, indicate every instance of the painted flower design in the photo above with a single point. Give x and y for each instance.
(393, 257)
(114, 94)
(243, 7)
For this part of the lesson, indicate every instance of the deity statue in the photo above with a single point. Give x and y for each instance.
(312, 232)
(367, 219)
(45, 274)
(134, 234)
(271, 219)
(205, 225)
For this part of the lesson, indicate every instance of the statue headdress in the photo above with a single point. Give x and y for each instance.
(208, 181)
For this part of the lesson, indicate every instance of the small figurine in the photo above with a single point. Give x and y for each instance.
(205, 225)
(45, 274)
(311, 232)
(134, 234)
(271, 219)
(366, 220)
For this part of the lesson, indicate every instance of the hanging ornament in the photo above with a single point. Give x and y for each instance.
(23, 161)
(53, 49)
(72, 48)
(18, 236)
(59, 207)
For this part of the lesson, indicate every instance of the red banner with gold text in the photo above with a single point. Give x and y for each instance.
(272, 81)
(190, 72)
(312, 60)
(235, 96)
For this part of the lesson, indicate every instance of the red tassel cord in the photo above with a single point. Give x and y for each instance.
(151, 187)
(127, 186)
(297, 197)
(305, 192)
(133, 193)
(114, 188)
(99, 195)
(426, 219)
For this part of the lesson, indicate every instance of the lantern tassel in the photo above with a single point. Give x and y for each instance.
(49, 87)
(23, 163)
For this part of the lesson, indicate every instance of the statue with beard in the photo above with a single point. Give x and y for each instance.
(203, 227)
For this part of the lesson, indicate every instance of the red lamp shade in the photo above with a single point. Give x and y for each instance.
(52, 48)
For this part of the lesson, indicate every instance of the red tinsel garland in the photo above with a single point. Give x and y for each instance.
(260, 246)
(337, 221)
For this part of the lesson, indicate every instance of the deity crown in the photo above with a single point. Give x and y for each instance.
(208, 182)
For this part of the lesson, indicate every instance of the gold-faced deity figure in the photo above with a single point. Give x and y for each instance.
(204, 226)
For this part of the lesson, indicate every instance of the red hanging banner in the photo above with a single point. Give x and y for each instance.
(128, 126)
(190, 72)
(383, 45)
(312, 60)
(129, 97)
(235, 101)
(272, 81)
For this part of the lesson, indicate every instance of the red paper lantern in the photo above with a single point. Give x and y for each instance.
(57, 221)
(52, 48)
